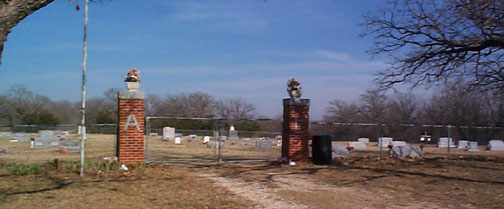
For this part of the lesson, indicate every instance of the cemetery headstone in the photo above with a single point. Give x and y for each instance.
(462, 144)
(339, 150)
(444, 141)
(279, 140)
(206, 139)
(153, 134)
(398, 143)
(406, 151)
(473, 147)
(384, 141)
(168, 133)
(177, 140)
(263, 144)
(495, 145)
(45, 142)
(213, 144)
(222, 138)
(45, 133)
(5, 134)
(357, 145)
(363, 140)
(22, 137)
(233, 134)
(70, 145)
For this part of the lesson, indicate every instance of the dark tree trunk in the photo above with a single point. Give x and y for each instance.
(12, 12)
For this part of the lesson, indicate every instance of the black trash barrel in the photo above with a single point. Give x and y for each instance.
(321, 150)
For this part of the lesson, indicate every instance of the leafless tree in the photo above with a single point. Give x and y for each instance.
(341, 111)
(235, 109)
(432, 41)
(403, 108)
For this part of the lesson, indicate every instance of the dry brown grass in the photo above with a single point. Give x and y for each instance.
(160, 186)
(194, 180)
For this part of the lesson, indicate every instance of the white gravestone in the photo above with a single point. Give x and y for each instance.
(177, 140)
(213, 144)
(263, 144)
(363, 140)
(5, 134)
(462, 144)
(70, 145)
(45, 142)
(473, 147)
(22, 137)
(495, 145)
(168, 133)
(233, 134)
(398, 143)
(206, 139)
(222, 138)
(443, 142)
(45, 133)
(406, 151)
(357, 145)
(384, 141)
(279, 140)
(339, 150)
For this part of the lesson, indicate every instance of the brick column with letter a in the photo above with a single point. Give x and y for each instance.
(295, 132)
(130, 129)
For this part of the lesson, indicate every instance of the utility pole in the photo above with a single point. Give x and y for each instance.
(83, 99)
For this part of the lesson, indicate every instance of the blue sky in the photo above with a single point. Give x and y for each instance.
(228, 49)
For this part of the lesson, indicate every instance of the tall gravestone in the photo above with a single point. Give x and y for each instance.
(130, 133)
(295, 133)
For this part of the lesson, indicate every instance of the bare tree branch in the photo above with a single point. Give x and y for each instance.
(431, 41)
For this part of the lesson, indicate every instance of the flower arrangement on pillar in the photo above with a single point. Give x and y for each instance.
(133, 79)
(294, 88)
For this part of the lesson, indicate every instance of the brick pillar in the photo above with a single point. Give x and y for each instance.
(130, 133)
(295, 132)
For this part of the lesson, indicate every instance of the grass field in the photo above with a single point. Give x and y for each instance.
(192, 179)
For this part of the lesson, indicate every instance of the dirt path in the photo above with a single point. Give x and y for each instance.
(287, 190)
(261, 195)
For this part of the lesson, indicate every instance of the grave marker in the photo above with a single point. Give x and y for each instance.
(22, 137)
(357, 145)
(177, 140)
(384, 141)
(233, 134)
(398, 143)
(444, 141)
(364, 140)
(168, 133)
(70, 145)
(473, 147)
(263, 144)
(5, 134)
(495, 145)
(462, 144)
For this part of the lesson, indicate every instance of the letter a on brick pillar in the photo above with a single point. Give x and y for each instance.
(130, 134)
(295, 133)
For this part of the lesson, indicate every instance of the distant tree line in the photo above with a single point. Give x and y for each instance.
(453, 104)
(22, 106)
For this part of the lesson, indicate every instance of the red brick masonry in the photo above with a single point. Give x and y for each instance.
(130, 143)
(295, 133)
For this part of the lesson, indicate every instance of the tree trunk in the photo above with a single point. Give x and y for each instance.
(12, 12)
